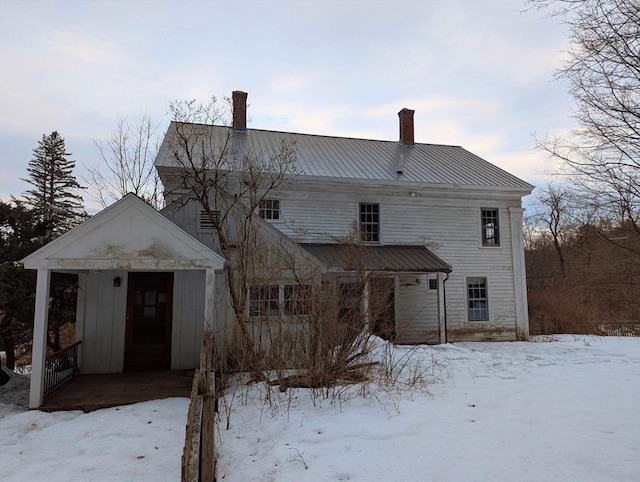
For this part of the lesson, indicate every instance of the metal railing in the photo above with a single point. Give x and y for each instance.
(60, 367)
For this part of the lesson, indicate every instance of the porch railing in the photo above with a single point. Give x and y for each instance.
(60, 367)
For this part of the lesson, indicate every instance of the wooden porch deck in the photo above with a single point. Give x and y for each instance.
(92, 392)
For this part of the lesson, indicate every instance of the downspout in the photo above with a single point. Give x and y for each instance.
(444, 296)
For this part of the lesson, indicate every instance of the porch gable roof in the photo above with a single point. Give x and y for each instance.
(129, 234)
(390, 258)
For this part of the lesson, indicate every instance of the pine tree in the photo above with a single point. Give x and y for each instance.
(54, 195)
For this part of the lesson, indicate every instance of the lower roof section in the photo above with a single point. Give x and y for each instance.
(391, 258)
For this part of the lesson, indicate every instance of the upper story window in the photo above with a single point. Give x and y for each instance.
(490, 227)
(477, 299)
(269, 209)
(370, 222)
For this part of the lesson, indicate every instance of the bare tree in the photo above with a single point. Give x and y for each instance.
(554, 205)
(602, 156)
(126, 163)
(288, 311)
(229, 184)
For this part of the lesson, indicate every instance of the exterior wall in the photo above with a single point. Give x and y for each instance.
(187, 217)
(416, 310)
(188, 318)
(102, 310)
(103, 332)
(446, 221)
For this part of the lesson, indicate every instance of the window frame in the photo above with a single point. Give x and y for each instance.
(271, 301)
(298, 304)
(366, 233)
(262, 306)
(477, 301)
(490, 227)
(270, 209)
(432, 282)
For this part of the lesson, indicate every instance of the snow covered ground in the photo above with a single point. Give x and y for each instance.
(565, 410)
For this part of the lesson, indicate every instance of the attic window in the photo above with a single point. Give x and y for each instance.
(490, 227)
(269, 209)
(370, 223)
(207, 222)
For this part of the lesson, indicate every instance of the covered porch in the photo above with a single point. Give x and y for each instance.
(403, 295)
(137, 309)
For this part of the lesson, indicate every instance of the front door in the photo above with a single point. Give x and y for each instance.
(148, 332)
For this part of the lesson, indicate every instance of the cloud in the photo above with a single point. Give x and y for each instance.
(477, 73)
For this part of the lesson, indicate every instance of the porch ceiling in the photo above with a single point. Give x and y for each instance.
(394, 258)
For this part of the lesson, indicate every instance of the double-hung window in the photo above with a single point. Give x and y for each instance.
(490, 221)
(263, 300)
(477, 299)
(277, 299)
(297, 299)
(370, 223)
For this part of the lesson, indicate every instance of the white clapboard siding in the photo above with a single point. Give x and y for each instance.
(102, 348)
(448, 225)
(188, 318)
(416, 310)
(446, 221)
(104, 321)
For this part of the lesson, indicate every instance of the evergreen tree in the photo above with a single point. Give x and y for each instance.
(20, 232)
(54, 195)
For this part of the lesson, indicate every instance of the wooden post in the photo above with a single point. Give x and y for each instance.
(207, 444)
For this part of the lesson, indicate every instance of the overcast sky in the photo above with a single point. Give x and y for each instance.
(477, 72)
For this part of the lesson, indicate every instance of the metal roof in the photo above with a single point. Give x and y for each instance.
(349, 158)
(392, 258)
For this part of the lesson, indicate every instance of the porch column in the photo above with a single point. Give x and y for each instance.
(39, 348)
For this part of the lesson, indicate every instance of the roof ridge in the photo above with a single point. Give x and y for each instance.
(271, 131)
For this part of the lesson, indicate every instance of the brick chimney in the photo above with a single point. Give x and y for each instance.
(239, 99)
(406, 126)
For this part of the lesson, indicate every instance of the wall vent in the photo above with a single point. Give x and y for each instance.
(206, 223)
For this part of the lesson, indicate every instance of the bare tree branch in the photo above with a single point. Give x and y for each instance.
(126, 163)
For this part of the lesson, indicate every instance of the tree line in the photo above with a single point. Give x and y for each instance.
(583, 233)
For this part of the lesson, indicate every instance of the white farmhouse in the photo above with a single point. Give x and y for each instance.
(440, 227)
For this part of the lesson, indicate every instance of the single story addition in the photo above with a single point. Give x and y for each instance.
(135, 309)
